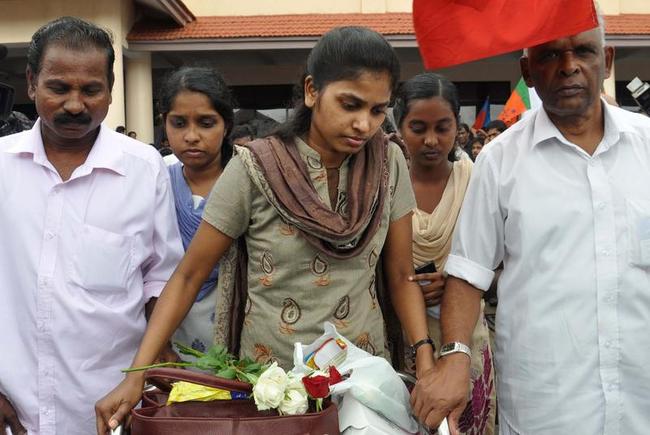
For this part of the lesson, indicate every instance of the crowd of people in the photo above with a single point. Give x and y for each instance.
(254, 242)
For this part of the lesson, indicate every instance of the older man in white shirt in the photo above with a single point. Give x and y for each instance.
(562, 199)
(89, 235)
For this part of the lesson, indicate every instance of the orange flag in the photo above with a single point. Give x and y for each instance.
(517, 104)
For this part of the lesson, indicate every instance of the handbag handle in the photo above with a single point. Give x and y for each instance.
(161, 377)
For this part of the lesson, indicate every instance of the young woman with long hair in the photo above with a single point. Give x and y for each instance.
(317, 206)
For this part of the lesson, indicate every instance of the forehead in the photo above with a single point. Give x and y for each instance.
(370, 86)
(430, 108)
(590, 37)
(63, 63)
(187, 100)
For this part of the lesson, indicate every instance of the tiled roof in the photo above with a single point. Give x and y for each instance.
(273, 26)
(269, 26)
(628, 24)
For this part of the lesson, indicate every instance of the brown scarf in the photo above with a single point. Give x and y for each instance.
(279, 171)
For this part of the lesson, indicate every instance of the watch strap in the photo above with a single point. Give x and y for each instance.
(414, 348)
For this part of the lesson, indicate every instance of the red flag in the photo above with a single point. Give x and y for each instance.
(483, 117)
(450, 32)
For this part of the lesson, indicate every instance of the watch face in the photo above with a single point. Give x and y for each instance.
(447, 347)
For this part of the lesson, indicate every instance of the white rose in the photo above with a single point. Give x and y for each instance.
(294, 403)
(270, 388)
(295, 382)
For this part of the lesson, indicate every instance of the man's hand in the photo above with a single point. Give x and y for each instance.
(8, 417)
(113, 409)
(442, 391)
(432, 285)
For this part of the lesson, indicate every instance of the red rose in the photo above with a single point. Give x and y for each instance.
(318, 387)
(335, 376)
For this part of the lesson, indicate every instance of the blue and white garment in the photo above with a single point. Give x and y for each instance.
(196, 330)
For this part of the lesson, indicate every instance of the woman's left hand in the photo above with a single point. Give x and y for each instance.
(432, 285)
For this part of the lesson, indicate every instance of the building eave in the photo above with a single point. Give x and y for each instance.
(308, 42)
(175, 9)
(257, 43)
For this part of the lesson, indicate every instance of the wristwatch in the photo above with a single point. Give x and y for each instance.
(414, 348)
(455, 347)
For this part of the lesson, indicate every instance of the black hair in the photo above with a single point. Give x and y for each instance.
(388, 126)
(465, 127)
(75, 34)
(241, 130)
(422, 87)
(165, 151)
(206, 81)
(478, 139)
(498, 124)
(343, 53)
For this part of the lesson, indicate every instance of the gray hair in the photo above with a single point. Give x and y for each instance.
(601, 27)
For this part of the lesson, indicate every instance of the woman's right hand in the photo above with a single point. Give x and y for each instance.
(112, 409)
(432, 285)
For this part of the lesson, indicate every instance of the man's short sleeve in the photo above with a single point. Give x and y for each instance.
(478, 242)
(228, 208)
(402, 198)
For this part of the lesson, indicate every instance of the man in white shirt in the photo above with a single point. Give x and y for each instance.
(562, 199)
(89, 235)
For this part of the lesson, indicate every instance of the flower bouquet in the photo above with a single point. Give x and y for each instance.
(291, 393)
(236, 397)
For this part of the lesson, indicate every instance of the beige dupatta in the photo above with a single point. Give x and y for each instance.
(432, 232)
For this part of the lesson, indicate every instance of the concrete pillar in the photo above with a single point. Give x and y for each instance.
(609, 85)
(139, 95)
(115, 114)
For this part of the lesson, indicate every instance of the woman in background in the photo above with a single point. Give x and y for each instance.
(464, 137)
(426, 112)
(197, 110)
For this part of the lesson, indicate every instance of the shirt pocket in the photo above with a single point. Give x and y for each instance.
(638, 219)
(102, 260)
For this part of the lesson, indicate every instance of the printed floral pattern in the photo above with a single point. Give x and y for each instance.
(474, 418)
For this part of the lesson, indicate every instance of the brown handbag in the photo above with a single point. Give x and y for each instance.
(223, 417)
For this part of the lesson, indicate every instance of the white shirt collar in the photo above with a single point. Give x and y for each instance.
(104, 154)
(544, 128)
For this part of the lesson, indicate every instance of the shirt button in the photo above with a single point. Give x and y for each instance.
(611, 387)
(609, 344)
(49, 235)
(602, 206)
(46, 412)
(605, 252)
(610, 299)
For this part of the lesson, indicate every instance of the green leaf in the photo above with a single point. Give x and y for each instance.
(228, 373)
(254, 367)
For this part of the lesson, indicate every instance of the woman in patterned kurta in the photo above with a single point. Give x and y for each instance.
(426, 111)
(293, 287)
(317, 205)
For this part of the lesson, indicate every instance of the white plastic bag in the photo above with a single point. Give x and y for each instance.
(372, 380)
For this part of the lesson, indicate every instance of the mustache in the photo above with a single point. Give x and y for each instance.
(67, 118)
